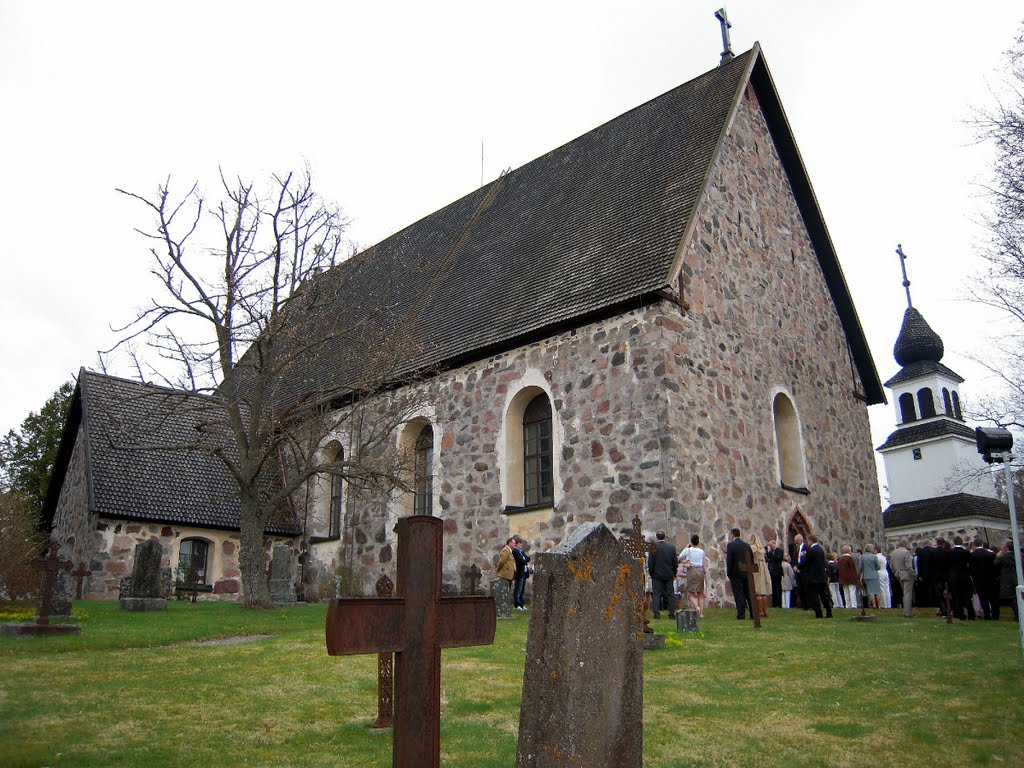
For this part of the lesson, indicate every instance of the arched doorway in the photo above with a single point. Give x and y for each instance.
(797, 524)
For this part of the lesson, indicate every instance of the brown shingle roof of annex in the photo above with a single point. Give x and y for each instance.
(143, 460)
(592, 227)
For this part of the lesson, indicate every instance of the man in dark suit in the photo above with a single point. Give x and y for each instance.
(661, 564)
(960, 584)
(983, 574)
(816, 579)
(737, 555)
(773, 554)
(798, 551)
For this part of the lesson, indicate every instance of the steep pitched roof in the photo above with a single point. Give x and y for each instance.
(956, 505)
(143, 460)
(586, 230)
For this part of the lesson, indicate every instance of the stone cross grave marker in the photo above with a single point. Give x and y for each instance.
(473, 575)
(415, 625)
(80, 573)
(582, 699)
(385, 669)
(634, 543)
(49, 565)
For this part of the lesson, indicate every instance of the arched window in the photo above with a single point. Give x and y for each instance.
(423, 472)
(336, 498)
(908, 410)
(956, 406)
(926, 402)
(792, 473)
(538, 482)
(192, 557)
(946, 402)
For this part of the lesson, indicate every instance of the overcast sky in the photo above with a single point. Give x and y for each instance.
(389, 102)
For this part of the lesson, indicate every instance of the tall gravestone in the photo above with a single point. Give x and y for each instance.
(281, 583)
(583, 684)
(502, 594)
(145, 588)
(63, 594)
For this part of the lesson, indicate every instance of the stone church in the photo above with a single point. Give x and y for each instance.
(650, 320)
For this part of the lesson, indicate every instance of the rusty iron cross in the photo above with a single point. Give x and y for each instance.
(636, 546)
(50, 564)
(80, 573)
(385, 669)
(473, 574)
(415, 625)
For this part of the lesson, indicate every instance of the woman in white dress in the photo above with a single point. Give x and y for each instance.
(883, 581)
(692, 559)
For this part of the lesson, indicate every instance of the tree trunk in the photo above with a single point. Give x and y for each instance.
(251, 559)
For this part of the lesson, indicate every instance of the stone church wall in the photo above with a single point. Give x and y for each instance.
(663, 412)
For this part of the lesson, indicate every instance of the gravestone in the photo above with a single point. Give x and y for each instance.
(145, 588)
(281, 583)
(583, 683)
(415, 625)
(502, 594)
(63, 594)
(686, 620)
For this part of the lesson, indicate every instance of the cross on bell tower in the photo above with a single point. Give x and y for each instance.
(903, 266)
(723, 19)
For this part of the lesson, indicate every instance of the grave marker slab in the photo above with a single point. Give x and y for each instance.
(145, 587)
(583, 683)
(502, 594)
(281, 582)
(415, 625)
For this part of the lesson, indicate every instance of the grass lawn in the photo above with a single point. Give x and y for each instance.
(132, 691)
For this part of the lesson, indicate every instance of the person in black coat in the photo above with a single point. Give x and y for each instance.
(519, 588)
(737, 555)
(661, 565)
(983, 574)
(816, 579)
(960, 585)
(773, 555)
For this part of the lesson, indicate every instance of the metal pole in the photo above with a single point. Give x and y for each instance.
(1018, 593)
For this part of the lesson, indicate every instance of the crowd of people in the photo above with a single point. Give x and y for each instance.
(971, 578)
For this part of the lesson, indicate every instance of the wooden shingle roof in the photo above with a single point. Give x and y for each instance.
(586, 230)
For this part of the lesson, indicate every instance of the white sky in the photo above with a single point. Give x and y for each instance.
(389, 101)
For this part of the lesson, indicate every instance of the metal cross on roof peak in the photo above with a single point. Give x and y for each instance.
(903, 266)
(723, 19)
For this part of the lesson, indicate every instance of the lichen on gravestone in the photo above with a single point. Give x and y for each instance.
(582, 698)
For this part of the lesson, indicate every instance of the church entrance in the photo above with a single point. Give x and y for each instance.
(797, 524)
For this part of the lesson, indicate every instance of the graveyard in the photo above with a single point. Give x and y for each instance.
(214, 683)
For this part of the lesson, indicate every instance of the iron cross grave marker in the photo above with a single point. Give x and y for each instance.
(50, 564)
(414, 625)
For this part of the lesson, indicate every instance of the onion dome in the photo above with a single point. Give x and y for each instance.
(917, 341)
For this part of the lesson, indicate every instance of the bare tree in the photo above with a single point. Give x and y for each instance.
(245, 316)
(1001, 283)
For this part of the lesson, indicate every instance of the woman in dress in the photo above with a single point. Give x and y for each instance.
(869, 572)
(884, 587)
(788, 581)
(1006, 568)
(692, 559)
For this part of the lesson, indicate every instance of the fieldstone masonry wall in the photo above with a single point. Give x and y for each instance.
(667, 413)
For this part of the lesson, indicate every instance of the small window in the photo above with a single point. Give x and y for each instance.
(917, 454)
(908, 411)
(192, 562)
(946, 402)
(926, 402)
(423, 498)
(788, 444)
(538, 464)
(956, 406)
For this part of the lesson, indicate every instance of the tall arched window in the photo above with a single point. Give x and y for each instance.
(908, 409)
(792, 473)
(538, 483)
(926, 402)
(423, 473)
(956, 406)
(334, 454)
(946, 402)
(192, 557)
